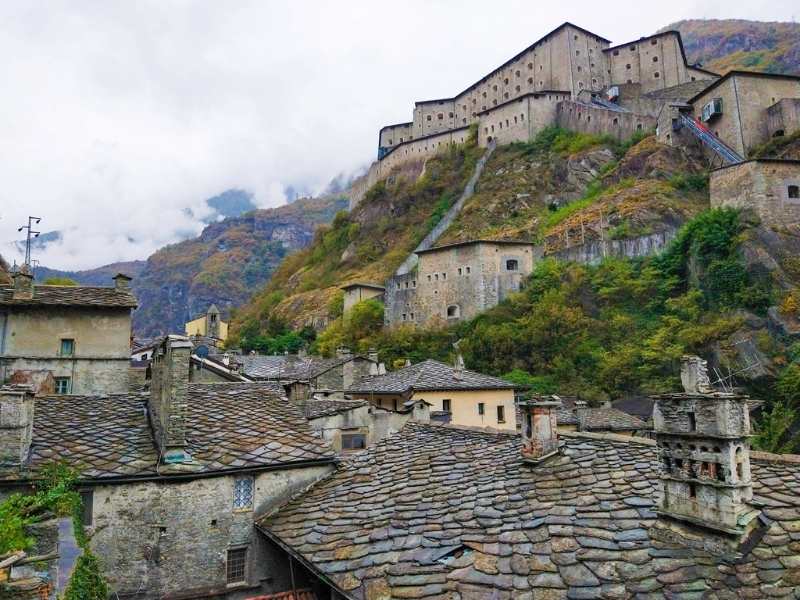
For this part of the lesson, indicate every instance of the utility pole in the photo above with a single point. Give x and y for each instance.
(35, 234)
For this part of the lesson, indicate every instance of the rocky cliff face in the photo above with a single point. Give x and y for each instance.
(225, 264)
(723, 45)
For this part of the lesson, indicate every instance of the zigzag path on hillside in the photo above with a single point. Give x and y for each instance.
(411, 261)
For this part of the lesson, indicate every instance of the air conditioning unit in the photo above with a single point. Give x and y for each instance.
(612, 93)
(712, 110)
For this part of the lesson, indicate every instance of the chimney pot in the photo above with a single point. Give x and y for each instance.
(16, 425)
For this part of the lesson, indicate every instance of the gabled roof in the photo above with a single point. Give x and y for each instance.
(314, 409)
(71, 295)
(437, 511)
(356, 284)
(429, 375)
(289, 367)
(229, 426)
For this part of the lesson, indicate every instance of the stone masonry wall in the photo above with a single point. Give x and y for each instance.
(595, 120)
(159, 538)
(783, 116)
(760, 185)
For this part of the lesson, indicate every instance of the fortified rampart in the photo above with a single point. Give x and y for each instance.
(771, 188)
(521, 97)
(589, 118)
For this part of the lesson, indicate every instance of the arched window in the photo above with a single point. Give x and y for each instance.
(453, 311)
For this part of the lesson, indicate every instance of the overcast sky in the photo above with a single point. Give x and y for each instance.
(115, 116)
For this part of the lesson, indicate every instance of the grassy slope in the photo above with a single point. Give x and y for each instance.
(366, 245)
(724, 45)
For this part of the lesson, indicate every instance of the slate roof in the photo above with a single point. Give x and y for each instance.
(438, 511)
(428, 375)
(611, 419)
(287, 367)
(229, 426)
(65, 295)
(314, 409)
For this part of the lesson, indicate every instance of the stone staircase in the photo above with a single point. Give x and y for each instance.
(411, 261)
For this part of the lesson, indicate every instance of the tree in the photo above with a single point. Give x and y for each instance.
(60, 281)
(774, 430)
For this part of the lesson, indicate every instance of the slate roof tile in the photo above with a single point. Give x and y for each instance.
(228, 425)
(315, 409)
(58, 295)
(429, 375)
(439, 510)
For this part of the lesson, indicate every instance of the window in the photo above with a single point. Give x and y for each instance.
(453, 311)
(653, 42)
(794, 192)
(446, 405)
(616, 53)
(468, 270)
(440, 116)
(63, 385)
(628, 67)
(459, 270)
(243, 493)
(692, 490)
(692, 422)
(481, 408)
(354, 441)
(501, 414)
(656, 74)
(512, 265)
(429, 117)
(237, 561)
(67, 347)
(403, 316)
(87, 506)
(655, 59)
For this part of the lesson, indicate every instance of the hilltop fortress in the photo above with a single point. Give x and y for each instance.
(522, 96)
(577, 80)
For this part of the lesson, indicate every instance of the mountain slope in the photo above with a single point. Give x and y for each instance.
(225, 264)
(97, 276)
(724, 45)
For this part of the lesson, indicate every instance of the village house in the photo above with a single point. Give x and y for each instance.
(456, 395)
(172, 480)
(455, 512)
(79, 335)
(358, 292)
(574, 414)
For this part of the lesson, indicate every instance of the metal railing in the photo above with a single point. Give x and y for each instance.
(709, 139)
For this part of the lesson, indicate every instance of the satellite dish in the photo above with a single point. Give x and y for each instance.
(201, 351)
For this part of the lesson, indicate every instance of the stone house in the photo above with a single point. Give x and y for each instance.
(456, 512)
(464, 397)
(458, 281)
(576, 415)
(173, 480)
(80, 334)
(315, 373)
(353, 425)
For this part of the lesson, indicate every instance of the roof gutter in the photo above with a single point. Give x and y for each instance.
(299, 558)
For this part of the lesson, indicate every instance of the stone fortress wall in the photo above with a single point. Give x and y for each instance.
(522, 95)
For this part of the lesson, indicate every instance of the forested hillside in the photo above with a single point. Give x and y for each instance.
(724, 45)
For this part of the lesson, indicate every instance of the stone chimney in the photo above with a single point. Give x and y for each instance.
(694, 375)
(23, 283)
(16, 425)
(343, 352)
(372, 354)
(169, 397)
(581, 409)
(704, 455)
(539, 428)
(421, 411)
(122, 281)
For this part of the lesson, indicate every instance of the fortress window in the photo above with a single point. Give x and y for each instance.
(494, 87)
(485, 130)
(494, 102)
(492, 128)
(653, 42)
(505, 95)
(468, 270)
(459, 270)
(576, 37)
(628, 67)
(429, 117)
(436, 276)
(655, 59)
(530, 80)
(515, 118)
(579, 69)
(594, 81)
(541, 67)
(512, 264)
(505, 80)
(794, 192)
(451, 115)
(638, 127)
(693, 79)
(465, 106)
(522, 117)
(577, 52)
(615, 53)
(518, 88)
(474, 101)
(429, 277)
(484, 94)
(412, 316)
(592, 65)
(506, 122)
(464, 120)
(440, 116)
(483, 107)
(580, 85)
(541, 84)
(403, 316)
(501, 124)
(656, 74)
(401, 140)
(516, 73)
(588, 118)
(444, 276)
(530, 65)
(474, 114)
(633, 48)
(390, 142)
(406, 285)
(615, 121)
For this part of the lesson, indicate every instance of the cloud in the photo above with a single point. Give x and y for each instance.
(117, 116)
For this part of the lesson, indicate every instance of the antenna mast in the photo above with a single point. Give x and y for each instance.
(31, 235)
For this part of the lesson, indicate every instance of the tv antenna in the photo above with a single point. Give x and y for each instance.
(31, 235)
(751, 362)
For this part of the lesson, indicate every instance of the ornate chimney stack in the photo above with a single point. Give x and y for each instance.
(16, 425)
(169, 396)
(23, 283)
(704, 452)
(539, 428)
